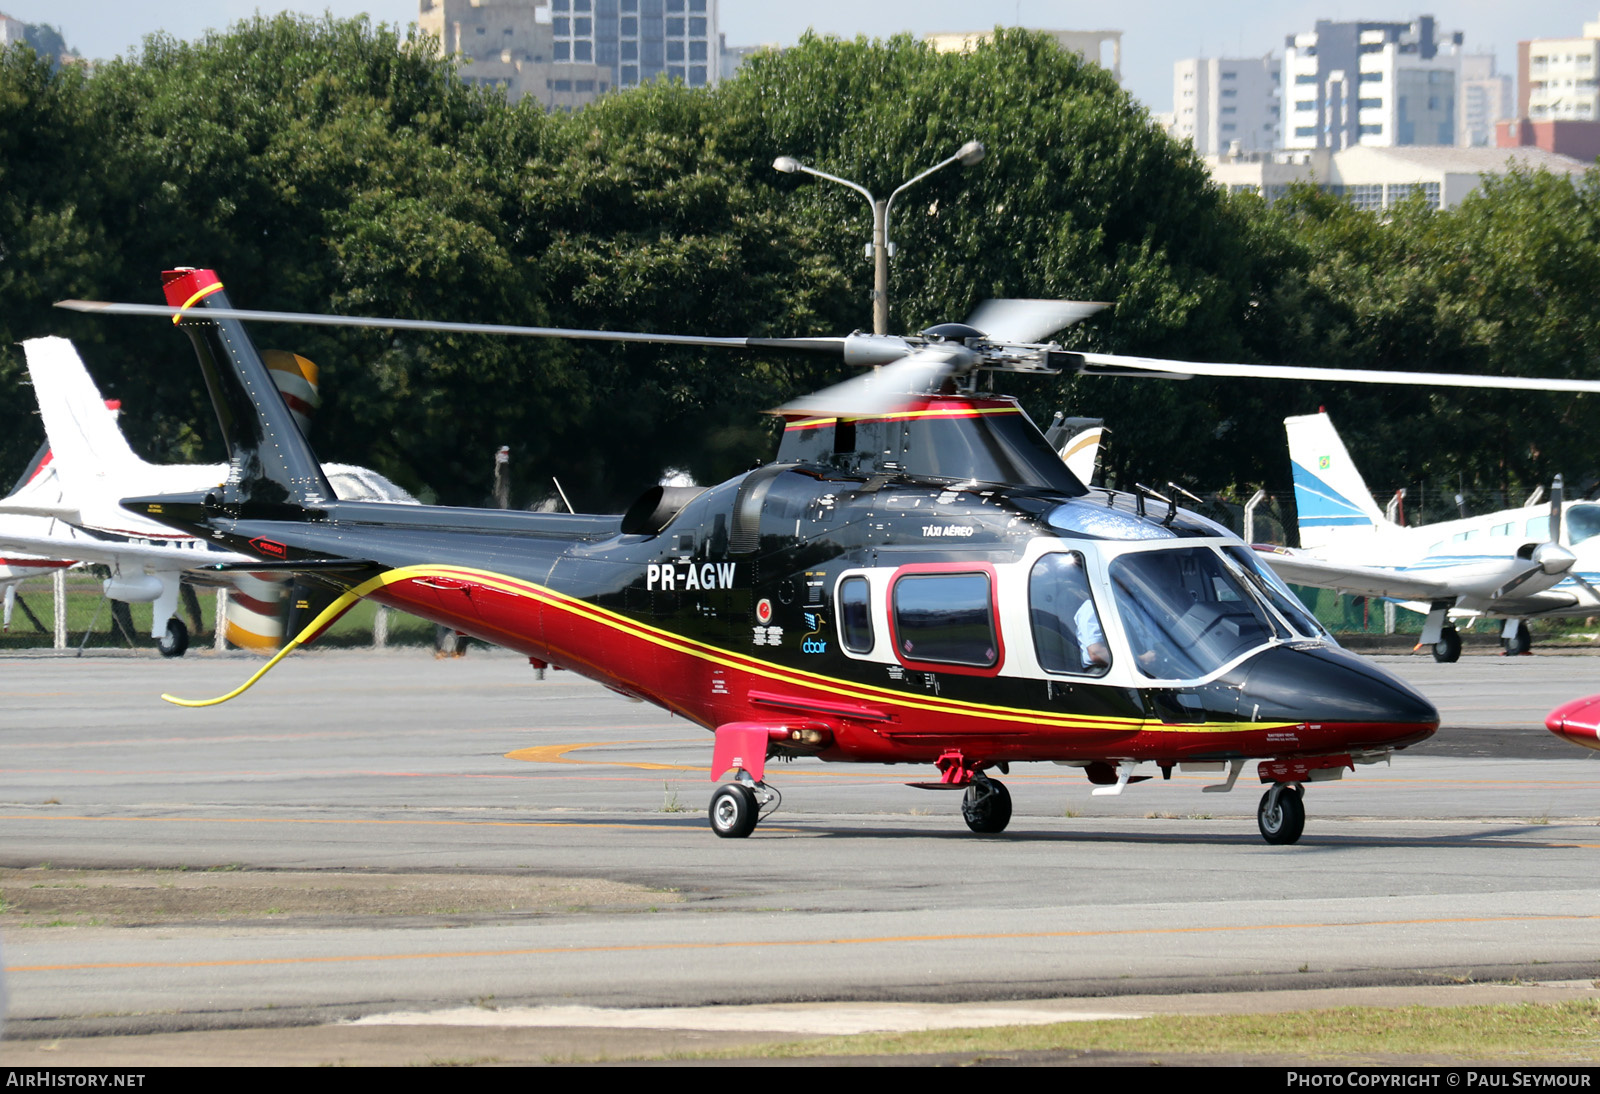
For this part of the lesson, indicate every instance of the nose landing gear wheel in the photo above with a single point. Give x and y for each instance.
(733, 811)
(986, 806)
(175, 641)
(1448, 648)
(1281, 815)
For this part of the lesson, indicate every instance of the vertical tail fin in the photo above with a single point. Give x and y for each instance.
(87, 449)
(269, 459)
(1329, 493)
(1078, 441)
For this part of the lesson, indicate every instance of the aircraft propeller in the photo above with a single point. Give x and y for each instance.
(1550, 558)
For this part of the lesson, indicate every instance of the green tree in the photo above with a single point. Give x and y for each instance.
(1080, 197)
(1502, 284)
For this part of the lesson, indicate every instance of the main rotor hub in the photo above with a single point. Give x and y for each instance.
(952, 332)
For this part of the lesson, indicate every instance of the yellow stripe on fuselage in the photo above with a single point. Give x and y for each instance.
(714, 655)
(801, 678)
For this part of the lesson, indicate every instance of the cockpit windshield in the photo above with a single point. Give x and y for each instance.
(1187, 613)
(1583, 522)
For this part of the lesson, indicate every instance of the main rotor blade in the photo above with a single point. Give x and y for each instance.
(1029, 321)
(1111, 364)
(885, 389)
(809, 345)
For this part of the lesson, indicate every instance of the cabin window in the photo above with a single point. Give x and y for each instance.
(855, 615)
(1067, 635)
(1538, 528)
(945, 619)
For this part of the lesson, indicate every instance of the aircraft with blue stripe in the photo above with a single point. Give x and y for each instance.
(1537, 561)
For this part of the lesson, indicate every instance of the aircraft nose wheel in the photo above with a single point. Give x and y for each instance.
(175, 641)
(736, 808)
(986, 806)
(1448, 648)
(1281, 815)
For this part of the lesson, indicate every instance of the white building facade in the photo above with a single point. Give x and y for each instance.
(12, 30)
(1223, 104)
(1369, 83)
(1562, 77)
(565, 53)
(1485, 99)
(1100, 47)
(1376, 178)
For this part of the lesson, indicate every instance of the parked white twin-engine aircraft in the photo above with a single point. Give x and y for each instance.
(38, 480)
(69, 509)
(1516, 564)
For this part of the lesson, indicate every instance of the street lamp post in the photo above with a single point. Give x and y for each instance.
(880, 248)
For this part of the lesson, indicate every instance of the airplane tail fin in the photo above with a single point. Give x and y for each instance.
(269, 460)
(1329, 493)
(87, 449)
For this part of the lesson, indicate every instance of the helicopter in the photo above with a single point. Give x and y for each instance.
(916, 578)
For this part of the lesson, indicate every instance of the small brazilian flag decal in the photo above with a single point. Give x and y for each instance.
(1323, 463)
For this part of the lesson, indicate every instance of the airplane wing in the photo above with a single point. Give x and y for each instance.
(1305, 569)
(83, 548)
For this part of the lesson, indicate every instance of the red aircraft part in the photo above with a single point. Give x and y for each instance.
(1577, 721)
(1300, 770)
(742, 746)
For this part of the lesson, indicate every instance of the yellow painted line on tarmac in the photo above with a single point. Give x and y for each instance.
(557, 754)
(791, 943)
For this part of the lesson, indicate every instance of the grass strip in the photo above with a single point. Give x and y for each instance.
(1553, 1033)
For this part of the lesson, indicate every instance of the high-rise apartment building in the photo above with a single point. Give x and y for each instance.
(1228, 104)
(1485, 99)
(1558, 77)
(1369, 83)
(1558, 101)
(566, 52)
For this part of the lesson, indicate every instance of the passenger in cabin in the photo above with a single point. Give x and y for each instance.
(1067, 633)
(1092, 648)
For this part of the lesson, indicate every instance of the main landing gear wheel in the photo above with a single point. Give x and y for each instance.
(986, 806)
(1519, 644)
(1448, 648)
(733, 811)
(175, 641)
(1281, 814)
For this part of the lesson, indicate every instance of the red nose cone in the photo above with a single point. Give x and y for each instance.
(1577, 721)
